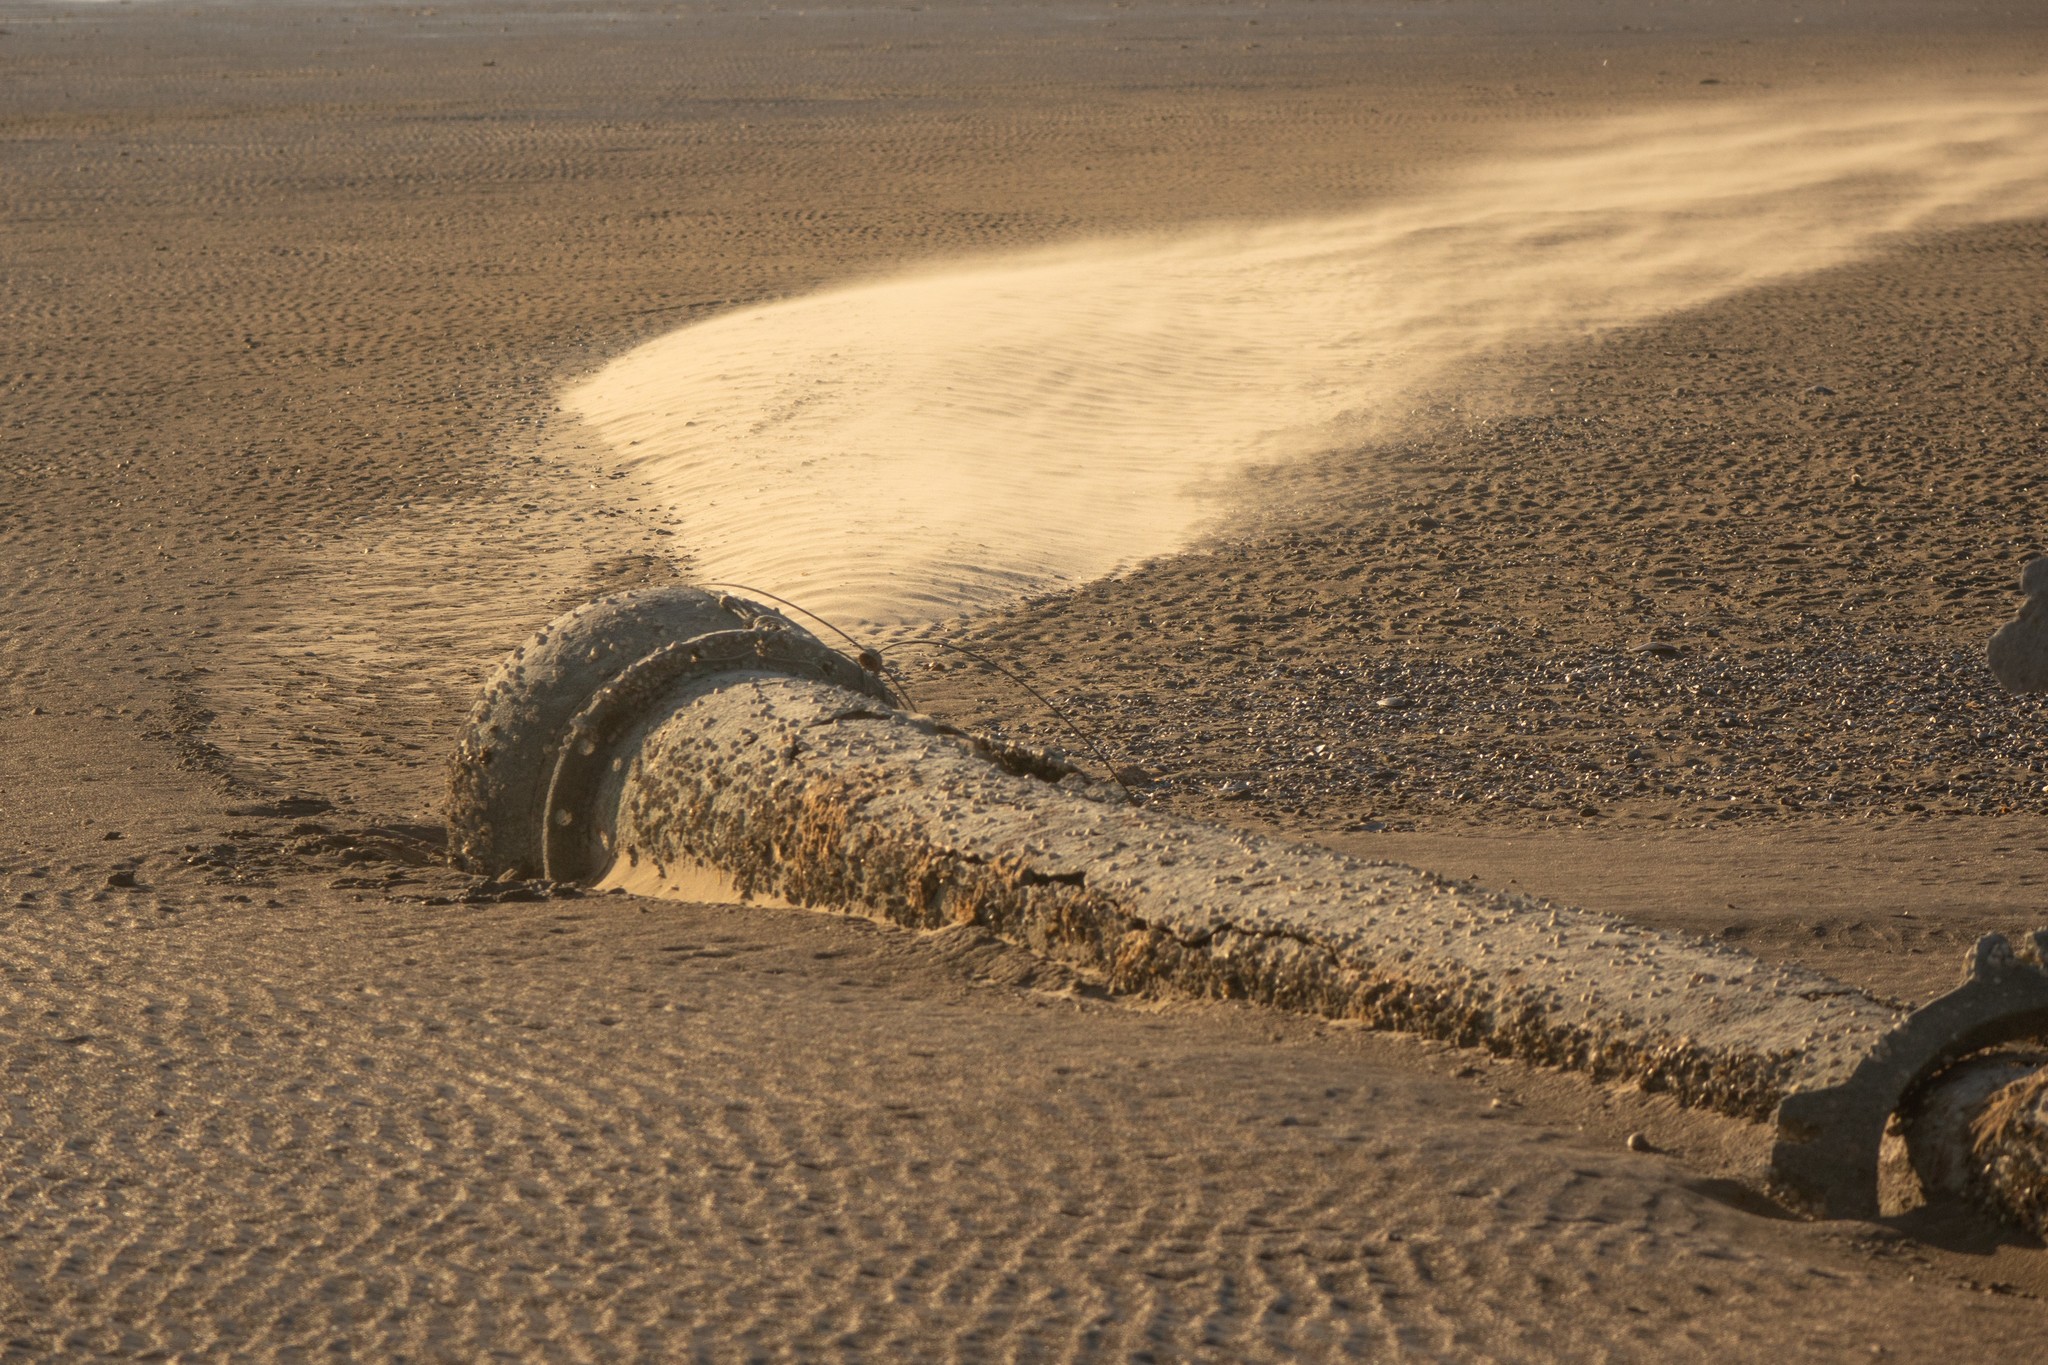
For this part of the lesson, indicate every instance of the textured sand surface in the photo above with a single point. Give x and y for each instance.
(952, 439)
(289, 294)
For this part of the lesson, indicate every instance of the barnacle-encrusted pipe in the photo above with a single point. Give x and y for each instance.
(750, 753)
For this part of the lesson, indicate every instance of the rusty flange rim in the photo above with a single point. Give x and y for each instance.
(570, 850)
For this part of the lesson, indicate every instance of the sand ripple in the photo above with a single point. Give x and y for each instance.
(603, 1130)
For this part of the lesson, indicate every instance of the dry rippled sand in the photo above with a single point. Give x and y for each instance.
(288, 294)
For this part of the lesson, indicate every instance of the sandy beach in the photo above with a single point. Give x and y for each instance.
(1672, 606)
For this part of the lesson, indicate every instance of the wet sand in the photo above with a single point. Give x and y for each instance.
(290, 299)
(945, 440)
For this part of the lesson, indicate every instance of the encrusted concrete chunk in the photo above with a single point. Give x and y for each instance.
(2019, 651)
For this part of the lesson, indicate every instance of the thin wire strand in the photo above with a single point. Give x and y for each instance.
(861, 651)
(1042, 700)
(864, 651)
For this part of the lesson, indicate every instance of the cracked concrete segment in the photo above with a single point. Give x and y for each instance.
(800, 791)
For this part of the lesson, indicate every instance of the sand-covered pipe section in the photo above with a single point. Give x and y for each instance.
(809, 794)
(946, 439)
(769, 786)
(695, 746)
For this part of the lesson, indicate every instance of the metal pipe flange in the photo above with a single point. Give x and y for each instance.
(501, 783)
